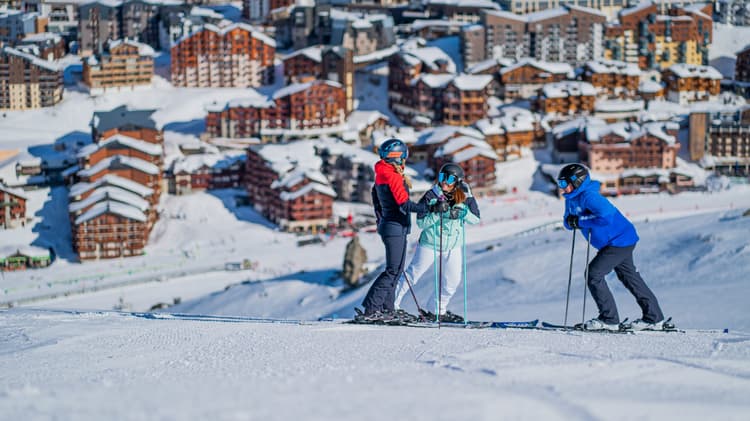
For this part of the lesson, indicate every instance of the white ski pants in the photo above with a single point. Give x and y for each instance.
(423, 259)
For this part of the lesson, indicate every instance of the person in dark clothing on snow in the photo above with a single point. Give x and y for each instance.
(393, 209)
(615, 238)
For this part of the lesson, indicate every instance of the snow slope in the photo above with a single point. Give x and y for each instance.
(129, 367)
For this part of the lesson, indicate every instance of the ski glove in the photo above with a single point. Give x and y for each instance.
(439, 207)
(465, 188)
(458, 212)
(572, 221)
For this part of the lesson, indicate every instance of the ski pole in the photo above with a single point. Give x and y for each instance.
(435, 267)
(463, 257)
(419, 309)
(570, 277)
(440, 268)
(586, 277)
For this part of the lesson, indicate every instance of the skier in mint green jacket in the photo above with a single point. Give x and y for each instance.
(450, 196)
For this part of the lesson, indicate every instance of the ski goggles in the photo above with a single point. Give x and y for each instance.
(563, 183)
(447, 179)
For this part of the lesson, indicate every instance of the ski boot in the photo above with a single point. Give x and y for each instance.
(596, 324)
(426, 316)
(449, 317)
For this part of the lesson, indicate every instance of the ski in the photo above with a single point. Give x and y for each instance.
(579, 328)
(667, 326)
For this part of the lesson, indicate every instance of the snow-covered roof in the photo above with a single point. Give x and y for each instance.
(40, 62)
(629, 131)
(79, 189)
(430, 56)
(442, 133)
(625, 130)
(226, 29)
(471, 82)
(589, 10)
(618, 105)
(122, 116)
(299, 87)
(577, 124)
(132, 162)
(143, 49)
(481, 4)
(118, 139)
(282, 158)
(546, 66)
(314, 53)
(8, 250)
(482, 66)
(111, 193)
(192, 163)
(298, 175)
(473, 152)
(458, 143)
(117, 208)
(42, 37)
(613, 66)
(650, 87)
(377, 55)
(639, 7)
(507, 15)
(684, 70)
(205, 12)
(14, 192)
(546, 14)
(420, 24)
(434, 80)
(320, 188)
(359, 120)
(568, 88)
(511, 120)
(257, 101)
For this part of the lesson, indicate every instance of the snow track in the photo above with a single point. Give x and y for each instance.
(144, 366)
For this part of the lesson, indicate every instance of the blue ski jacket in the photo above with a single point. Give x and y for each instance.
(596, 215)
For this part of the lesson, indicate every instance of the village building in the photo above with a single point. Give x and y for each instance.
(237, 56)
(689, 83)
(27, 81)
(125, 64)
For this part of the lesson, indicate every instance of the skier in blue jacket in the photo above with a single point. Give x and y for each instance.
(615, 238)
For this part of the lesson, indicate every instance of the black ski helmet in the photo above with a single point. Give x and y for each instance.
(573, 174)
(451, 169)
(393, 150)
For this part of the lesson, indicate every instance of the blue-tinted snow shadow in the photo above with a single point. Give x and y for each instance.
(230, 198)
(194, 127)
(53, 228)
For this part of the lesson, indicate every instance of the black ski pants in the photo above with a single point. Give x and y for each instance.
(621, 260)
(382, 293)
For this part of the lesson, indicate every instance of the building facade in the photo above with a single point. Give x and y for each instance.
(294, 195)
(12, 208)
(27, 81)
(567, 98)
(720, 141)
(98, 23)
(656, 41)
(688, 83)
(298, 108)
(568, 34)
(234, 56)
(524, 78)
(613, 78)
(125, 64)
